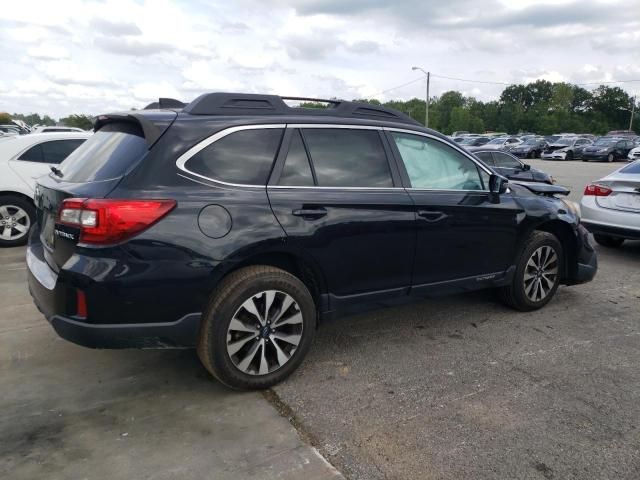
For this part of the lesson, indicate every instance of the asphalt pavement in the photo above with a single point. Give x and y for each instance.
(450, 388)
(462, 387)
(68, 412)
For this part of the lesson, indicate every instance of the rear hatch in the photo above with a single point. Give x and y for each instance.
(91, 171)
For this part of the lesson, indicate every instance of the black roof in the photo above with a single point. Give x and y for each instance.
(243, 104)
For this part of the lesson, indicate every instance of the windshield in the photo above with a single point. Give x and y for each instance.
(604, 142)
(497, 141)
(564, 141)
(106, 155)
(468, 141)
(532, 141)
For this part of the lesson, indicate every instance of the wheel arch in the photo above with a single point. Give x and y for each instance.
(298, 265)
(7, 193)
(566, 235)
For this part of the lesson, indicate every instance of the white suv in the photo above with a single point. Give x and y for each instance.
(23, 158)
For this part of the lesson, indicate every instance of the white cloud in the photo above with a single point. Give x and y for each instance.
(91, 56)
(48, 52)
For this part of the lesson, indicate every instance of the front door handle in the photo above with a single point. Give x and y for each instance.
(310, 213)
(431, 216)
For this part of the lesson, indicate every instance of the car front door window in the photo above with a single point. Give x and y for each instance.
(432, 165)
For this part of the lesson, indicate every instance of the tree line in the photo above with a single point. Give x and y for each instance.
(84, 122)
(541, 107)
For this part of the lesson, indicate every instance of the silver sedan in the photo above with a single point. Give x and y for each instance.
(610, 206)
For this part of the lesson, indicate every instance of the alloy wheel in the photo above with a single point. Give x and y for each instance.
(14, 222)
(541, 273)
(264, 332)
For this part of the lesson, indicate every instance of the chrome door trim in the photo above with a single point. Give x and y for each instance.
(185, 157)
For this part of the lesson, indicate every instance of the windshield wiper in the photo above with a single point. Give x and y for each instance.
(56, 171)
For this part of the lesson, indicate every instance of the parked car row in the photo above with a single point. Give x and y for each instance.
(563, 146)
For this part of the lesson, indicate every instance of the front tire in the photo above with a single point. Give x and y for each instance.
(537, 275)
(17, 215)
(608, 241)
(610, 158)
(568, 156)
(257, 328)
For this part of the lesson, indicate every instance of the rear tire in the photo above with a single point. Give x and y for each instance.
(272, 345)
(608, 241)
(17, 215)
(537, 276)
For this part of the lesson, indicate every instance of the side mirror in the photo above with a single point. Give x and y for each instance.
(497, 184)
(526, 167)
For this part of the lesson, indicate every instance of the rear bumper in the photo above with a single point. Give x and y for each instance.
(52, 296)
(614, 231)
(608, 221)
(182, 333)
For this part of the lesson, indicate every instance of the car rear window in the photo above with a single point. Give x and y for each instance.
(632, 168)
(243, 157)
(108, 154)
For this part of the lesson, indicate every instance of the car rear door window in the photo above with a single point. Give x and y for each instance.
(34, 154)
(56, 151)
(345, 157)
(243, 157)
(433, 165)
(296, 170)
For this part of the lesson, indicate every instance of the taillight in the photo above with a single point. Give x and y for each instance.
(107, 221)
(597, 190)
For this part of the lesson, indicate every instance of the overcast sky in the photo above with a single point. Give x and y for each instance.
(63, 57)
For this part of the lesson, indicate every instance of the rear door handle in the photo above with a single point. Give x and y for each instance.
(310, 213)
(431, 216)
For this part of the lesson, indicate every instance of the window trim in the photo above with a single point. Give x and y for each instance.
(392, 160)
(185, 157)
(452, 145)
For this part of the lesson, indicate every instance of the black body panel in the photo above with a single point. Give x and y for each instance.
(352, 246)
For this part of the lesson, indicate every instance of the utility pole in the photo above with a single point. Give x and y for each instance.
(633, 111)
(426, 111)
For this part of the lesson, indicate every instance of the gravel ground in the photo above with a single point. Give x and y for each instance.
(462, 387)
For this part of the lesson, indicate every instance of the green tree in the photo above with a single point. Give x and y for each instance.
(79, 121)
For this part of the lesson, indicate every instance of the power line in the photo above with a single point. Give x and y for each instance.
(608, 82)
(489, 82)
(399, 86)
(471, 81)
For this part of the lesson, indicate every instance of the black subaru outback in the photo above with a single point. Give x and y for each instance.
(236, 223)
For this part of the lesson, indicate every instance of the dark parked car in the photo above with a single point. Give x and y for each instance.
(531, 148)
(511, 167)
(473, 141)
(607, 149)
(236, 223)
